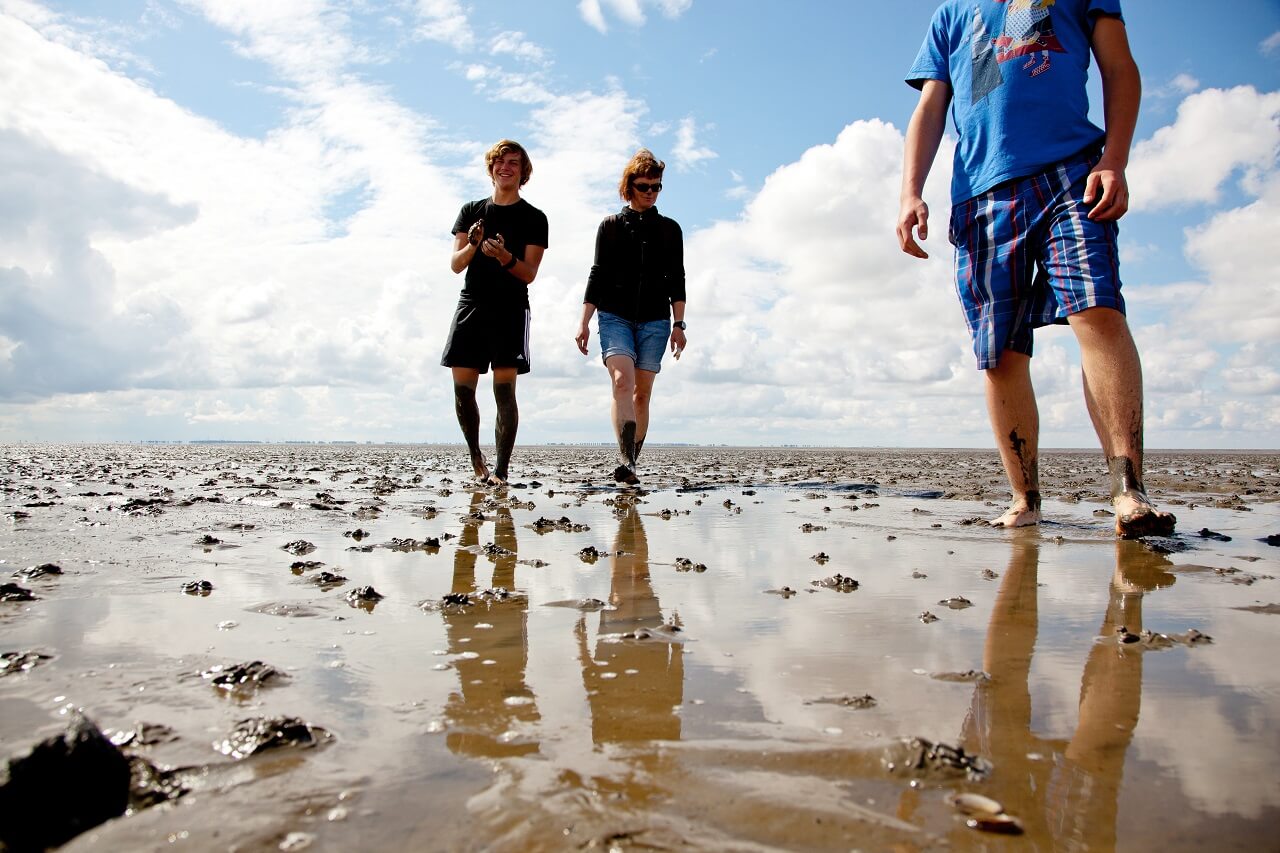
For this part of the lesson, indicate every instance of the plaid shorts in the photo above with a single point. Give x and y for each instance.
(1027, 255)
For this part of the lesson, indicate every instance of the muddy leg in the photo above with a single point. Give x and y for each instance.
(640, 398)
(1011, 405)
(508, 420)
(464, 403)
(1113, 393)
(622, 372)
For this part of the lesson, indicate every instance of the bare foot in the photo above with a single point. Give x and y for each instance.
(626, 474)
(1018, 515)
(1135, 516)
(481, 467)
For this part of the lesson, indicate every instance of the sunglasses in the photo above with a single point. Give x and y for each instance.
(647, 188)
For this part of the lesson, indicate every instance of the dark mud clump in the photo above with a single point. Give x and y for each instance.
(956, 602)
(258, 734)
(838, 582)
(684, 564)
(200, 587)
(299, 547)
(546, 525)
(1155, 641)
(858, 703)
(12, 663)
(67, 784)
(241, 676)
(328, 580)
(13, 592)
(920, 758)
(41, 571)
(364, 596)
(586, 605)
(969, 676)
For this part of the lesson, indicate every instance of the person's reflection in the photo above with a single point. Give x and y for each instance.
(1066, 790)
(633, 686)
(494, 701)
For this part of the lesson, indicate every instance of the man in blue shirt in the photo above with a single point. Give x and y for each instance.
(1036, 192)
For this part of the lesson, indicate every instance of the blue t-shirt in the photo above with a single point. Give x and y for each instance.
(1017, 71)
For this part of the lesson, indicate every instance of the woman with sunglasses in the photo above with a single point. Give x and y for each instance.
(637, 288)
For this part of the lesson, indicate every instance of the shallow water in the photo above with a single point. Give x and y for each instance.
(528, 723)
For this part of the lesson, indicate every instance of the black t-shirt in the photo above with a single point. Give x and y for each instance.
(521, 225)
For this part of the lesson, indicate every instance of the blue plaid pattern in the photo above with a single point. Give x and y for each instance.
(1027, 255)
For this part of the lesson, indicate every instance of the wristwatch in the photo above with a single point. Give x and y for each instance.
(680, 324)
(511, 263)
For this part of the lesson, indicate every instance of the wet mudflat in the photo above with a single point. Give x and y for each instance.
(344, 647)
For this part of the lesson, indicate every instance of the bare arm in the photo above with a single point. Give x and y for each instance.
(1121, 94)
(924, 135)
(584, 331)
(463, 251)
(678, 341)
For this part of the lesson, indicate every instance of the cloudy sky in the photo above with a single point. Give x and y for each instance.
(229, 219)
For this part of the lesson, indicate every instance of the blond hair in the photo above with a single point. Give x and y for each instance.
(502, 149)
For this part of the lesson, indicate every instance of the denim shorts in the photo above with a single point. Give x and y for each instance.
(1027, 255)
(643, 343)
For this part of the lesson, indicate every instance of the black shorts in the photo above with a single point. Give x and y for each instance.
(483, 335)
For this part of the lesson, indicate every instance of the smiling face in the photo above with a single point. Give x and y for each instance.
(507, 171)
(508, 165)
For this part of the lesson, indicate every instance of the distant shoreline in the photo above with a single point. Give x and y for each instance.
(213, 442)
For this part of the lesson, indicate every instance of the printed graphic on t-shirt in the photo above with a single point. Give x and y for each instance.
(1027, 31)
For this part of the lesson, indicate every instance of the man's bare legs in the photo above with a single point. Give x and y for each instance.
(465, 381)
(632, 389)
(1015, 420)
(1113, 393)
(508, 419)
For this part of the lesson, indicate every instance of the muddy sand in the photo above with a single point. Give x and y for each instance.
(261, 647)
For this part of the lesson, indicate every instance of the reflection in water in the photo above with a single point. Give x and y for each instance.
(1066, 790)
(634, 687)
(494, 705)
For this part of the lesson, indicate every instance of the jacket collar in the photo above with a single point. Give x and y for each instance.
(632, 215)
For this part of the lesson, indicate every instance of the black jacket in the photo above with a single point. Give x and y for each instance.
(639, 266)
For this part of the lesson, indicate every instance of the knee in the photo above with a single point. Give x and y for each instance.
(1101, 320)
(623, 387)
(505, 393)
